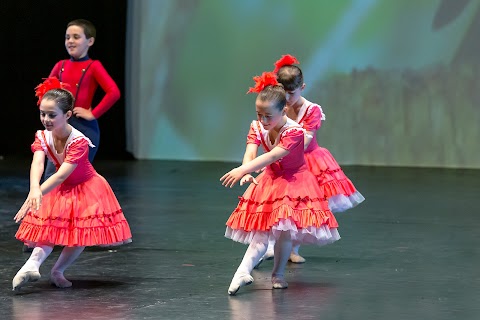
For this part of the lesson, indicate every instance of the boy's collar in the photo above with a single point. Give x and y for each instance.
(81, 59)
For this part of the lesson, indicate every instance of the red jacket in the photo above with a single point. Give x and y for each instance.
(83, 89)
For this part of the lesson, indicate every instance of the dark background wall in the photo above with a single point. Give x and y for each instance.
(32, 41)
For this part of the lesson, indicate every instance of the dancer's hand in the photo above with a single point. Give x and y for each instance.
(22, 212)
(231, 177)
(83, 113)
(248, 178)
(33, 202)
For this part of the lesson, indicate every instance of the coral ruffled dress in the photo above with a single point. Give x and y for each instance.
(287, 197)
(83, 210)
(338, 189)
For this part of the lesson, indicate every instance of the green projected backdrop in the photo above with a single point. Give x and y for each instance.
(397, 80)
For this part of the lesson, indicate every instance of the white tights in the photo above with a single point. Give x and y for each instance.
(254, 253)
(282, 249)
(271, 245)
(30, 271)
(67, 257)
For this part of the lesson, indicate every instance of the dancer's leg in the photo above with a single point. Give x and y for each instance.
(268, 255)
(66, 258)
(30, 271)
(255, 251)
(283, 248)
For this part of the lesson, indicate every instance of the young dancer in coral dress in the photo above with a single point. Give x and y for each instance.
(284, 202)
(73, 208)
(339, 190)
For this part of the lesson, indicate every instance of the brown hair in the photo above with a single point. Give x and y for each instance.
(63, 98)
(290, 77)
(88, 27)
(274, 94)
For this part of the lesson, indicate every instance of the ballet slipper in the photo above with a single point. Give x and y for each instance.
(59, 280)
(279, 283)
(22, 278)
(238, 282)
(296, 258)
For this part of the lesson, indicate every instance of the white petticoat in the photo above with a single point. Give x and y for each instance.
(340, 202)
(320, 236)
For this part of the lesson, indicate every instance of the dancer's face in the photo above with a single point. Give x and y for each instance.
(293, 96)
(76, 42)
(269, 115)
(52, 116)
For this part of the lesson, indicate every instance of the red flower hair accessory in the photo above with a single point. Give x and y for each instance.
(265, 80)
(285, 60)
(47, 85)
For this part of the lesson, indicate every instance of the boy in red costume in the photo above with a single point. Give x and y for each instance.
(83, 76)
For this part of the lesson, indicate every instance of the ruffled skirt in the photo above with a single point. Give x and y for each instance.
(338, 189)
(289, 202)
(86, 214)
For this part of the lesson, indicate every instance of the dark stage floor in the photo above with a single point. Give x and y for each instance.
(410, 251)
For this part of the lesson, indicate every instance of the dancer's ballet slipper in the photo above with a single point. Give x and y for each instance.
(238, 282)
(279, 283)
(296, 258)
(59, 280)
(22, 278)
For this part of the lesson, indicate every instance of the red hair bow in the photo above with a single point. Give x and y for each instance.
(285, 60)
(47, 85)
(265, 80)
